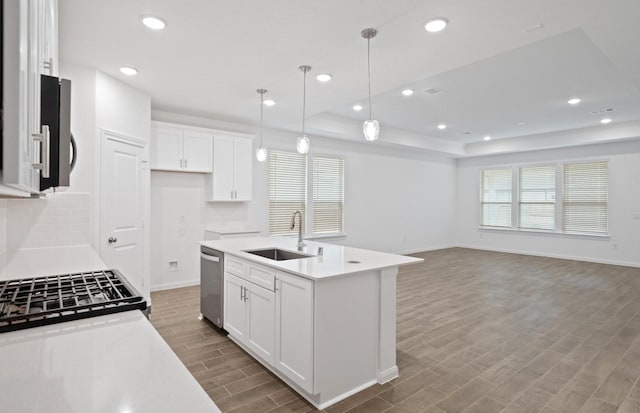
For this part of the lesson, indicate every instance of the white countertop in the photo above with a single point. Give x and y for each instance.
(115, 363)
(34, 262)
(337, 259)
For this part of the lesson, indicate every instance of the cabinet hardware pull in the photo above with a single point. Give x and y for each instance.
(241, 291)
(45, 139)
(185, 164)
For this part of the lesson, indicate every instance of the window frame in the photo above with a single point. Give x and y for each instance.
(515, 194)
(308, 219)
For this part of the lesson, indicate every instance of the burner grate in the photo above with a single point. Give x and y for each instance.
(44, 300)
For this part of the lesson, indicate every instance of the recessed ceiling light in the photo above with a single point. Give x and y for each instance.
(407, 92)
(129, 71)
(269, 102)
(605, 121)
(153, 22)
(436, 24)
(357, 108)
(574, 101)
(487, 138)
(522, 123)
(324, 77)
(442, 126)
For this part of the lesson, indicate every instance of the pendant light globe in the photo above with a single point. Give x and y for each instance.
(303, 144)
(261, 154)
(371, 130)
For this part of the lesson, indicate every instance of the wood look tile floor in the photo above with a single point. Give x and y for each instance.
(477, 332)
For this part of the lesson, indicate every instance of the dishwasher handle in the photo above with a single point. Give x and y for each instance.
(209, 257)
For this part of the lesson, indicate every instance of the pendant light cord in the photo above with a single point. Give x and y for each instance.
(261, 110)
(304, 102)
(369, 71)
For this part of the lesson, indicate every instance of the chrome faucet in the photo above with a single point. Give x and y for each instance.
(301, 243)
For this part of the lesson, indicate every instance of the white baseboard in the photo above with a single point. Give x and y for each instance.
(551, 255)
(179, 284)
(425, 249)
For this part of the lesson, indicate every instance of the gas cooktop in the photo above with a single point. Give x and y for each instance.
(33, 302)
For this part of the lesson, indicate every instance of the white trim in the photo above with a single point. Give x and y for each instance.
(425, 249)
(123, 138)
(559, 256)
(177, 284)
(387, 375)
(156, 123)
(343, 396)
(545, 232)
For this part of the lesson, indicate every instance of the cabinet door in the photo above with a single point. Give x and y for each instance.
(234, 306)
(50, 37)
(197, 152)
(260, 334)
(223, 168)
(166, 149)
(243, 166)
(294, 329)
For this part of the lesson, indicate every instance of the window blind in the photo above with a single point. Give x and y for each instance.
(585, 198)
(328, 195)
(496, 197)
(537, 197)
(287, 190)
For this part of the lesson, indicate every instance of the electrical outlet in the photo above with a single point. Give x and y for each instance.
(173, 265)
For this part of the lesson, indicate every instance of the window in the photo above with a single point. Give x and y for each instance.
(581, 187)
(293, 186)
(537, 197)
(328, 195)
(496, 197)
(287, 190)
(585, 205)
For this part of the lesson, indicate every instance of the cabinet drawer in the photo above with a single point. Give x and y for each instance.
(262, 276)
(235, 266)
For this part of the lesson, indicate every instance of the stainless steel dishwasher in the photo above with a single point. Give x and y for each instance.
(211, 285)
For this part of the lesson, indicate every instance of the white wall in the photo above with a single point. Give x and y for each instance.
(623, 247)
(395, 200)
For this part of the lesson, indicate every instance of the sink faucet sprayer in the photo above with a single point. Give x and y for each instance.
(301, 243)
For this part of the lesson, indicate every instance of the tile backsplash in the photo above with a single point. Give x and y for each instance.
(3, 225)
(60, 219)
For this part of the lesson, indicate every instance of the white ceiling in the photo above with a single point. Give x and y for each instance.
(492, 73)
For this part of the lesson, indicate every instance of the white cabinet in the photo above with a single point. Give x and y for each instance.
(232, 169)
(30, 50)
(294, 329)
(249, 315)
(235, 313)
(260, 309)
(183, 150)
(271, 313)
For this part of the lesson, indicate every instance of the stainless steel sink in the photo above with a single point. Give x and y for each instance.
(277, 254)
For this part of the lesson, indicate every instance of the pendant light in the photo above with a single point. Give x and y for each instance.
(261, 152)
(370, 127)
(303, 142)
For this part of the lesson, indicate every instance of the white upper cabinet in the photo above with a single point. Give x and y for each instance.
(180, 149)
(232, 169)
(30, 32)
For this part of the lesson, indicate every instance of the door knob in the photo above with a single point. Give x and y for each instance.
(112, 240)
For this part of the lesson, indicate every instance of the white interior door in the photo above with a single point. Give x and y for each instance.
(122, 207)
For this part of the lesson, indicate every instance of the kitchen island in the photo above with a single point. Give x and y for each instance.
(321, 317)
